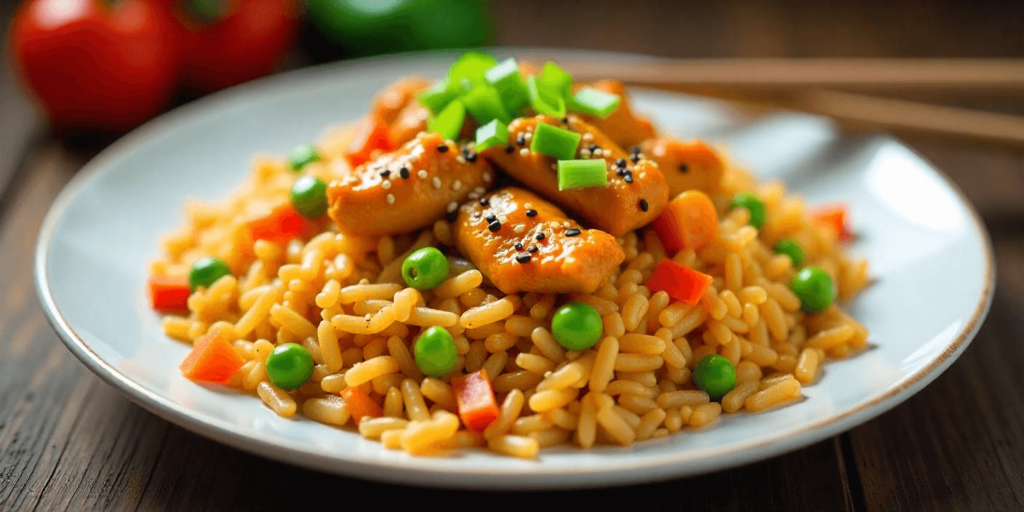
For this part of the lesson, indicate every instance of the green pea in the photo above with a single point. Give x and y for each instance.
(302, 155)
(814, 288)
(425, 268)
(435, 352)
(753, 204)
(576, 326)
(309, 196)
(289, 366)
(790, 248)
(715, 375)
(206, 271)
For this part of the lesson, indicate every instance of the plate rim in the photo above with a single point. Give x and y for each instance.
(400, 471)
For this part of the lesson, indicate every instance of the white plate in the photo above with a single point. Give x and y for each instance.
(927, 250)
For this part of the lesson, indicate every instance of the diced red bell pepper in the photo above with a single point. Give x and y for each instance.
(475, 397)
(360, 405)
(169, 294)
(369, 136)
(283, 223)
(679, 282)
(834, 216)
(212, 359)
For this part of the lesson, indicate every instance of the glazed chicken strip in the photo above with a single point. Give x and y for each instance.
(634, 196)
(686, 164)
(523, 243)
(623, 126)
(407, 189)
(393, 100)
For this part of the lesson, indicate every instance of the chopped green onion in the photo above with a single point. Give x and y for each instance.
(510, 85)
(582, 174)
(471, 66)
(449, 122)
(484, 104)
(557, 80)
(492, 134)
(437, 97)
(555, 142)
(543, 100)
(594, 102)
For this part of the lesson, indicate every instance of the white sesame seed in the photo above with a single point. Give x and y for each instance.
(528, 206)
(474, 195)
(519, 229)
(456, 185)
(460, 159)
(598, 152)
(391, 199)
(368, 317)
(437, 182)
(452, 206)
(487, 177)
(528, 136)
(588, 136)
(566, 224)
(585, 153)
(479, 190)
(524, 151)
(422, 174)
(386, 185)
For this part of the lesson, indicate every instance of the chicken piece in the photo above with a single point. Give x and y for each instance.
(407, 189)
(408, 124)
(392, 100)
(523, 243)
(634, 196)
(686, 164)
(623, 126)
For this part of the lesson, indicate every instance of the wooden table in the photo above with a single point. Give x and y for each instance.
(67, 440)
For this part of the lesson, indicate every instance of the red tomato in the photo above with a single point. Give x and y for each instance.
(95, 64)
(227, 42)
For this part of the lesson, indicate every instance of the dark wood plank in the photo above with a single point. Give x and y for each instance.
(19, 122)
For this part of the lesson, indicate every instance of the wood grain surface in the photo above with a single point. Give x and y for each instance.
(69, 441)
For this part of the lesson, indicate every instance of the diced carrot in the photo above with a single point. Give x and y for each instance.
(169, 294)
(834, 216)
(688, 222)
(369, 136)
(360, 404)
(212, 359)
(679, 282)
(475, 397)
(283, 223)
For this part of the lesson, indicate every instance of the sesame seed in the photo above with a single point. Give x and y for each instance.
(628, 178)
(565, 120)
(540, 236)
(404, 172)
(452, 206)
(385, 173)
(473, 195)
(528, 136)
(572, 232)
(494, 226)
(524, 151)
(491, 217)
(533, 248)
(460, 159)
(443, 148)
(386, 185)
(621, 162)
(480, 190)
(367, 317)
(621, 171)
(635, 150)
(598, 152)
(531, 213)
(471, 157)
(585, 153)
(519, 246)
(643, 205)
(484, 202)
(683, 168)
(523, 257)
(452, 216)
(391, 199)
(422, 174)
(519, 229)
(588, 137)
(509, 149)
(437, 182)
(456, 185)
(635, 158)
(487, 177)
(566, 224)
(527, 205)
(521, 138)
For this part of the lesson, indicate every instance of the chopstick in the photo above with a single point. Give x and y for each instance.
(987, 76)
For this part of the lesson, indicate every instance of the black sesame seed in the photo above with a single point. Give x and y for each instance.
(471, 157)
(565, 120)
(404, 173)
(533, 248)
(484, 202)
(523, 257)
(519, 246)
(452, 215)
(621, 162)
(572, 232)
(531, 213)
(683, 168)
(621, 171)
(491, 217)
(509, 149)
(494, 226)
(635, 158)
(385, 173)
(443, 148)
(540, 236)
(643, 205)
(521, 139)
(593, 147)
(635, 150)
(628, 178)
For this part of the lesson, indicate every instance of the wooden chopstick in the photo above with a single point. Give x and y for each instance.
(987, 76)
